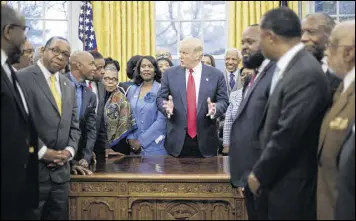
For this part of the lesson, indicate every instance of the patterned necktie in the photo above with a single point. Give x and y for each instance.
(192, 106)
(232, 80)
(55, 93)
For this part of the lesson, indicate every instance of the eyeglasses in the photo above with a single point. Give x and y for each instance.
(25, 28)
(110, 79)
(57, 52)
(28, 51)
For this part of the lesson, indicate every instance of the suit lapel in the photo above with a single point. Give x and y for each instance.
(204, 83)
(181, 81)
(340, 101)
(42, 83)
(18, 102)
(101, 91)
(65, 94)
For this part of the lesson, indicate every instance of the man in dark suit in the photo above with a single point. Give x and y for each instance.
(53, 105)
(98, 88)
(192, 95)
(19, 141)
(82, 68)
(245, 148)
(345, 201)
(287, 167)
(316, 29)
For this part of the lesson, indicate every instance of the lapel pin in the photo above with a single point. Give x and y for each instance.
(207, 79)
(65, 84)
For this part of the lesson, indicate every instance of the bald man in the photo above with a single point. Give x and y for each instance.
(341, 58)
(232, 72)
(316, 30)
(192, 96)
(163, 53)
(82, 66)
(52, 102)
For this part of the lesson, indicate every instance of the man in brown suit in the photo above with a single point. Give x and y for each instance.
(341, 59)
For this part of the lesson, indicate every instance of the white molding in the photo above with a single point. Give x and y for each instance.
(73, 23)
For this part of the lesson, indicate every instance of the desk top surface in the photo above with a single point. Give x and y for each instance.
(159, 168)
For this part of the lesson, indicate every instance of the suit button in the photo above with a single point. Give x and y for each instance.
(142, 122)
(25, 166)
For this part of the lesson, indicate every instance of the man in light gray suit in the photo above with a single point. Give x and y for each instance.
(192, 96)
(232, 72)
(53, 105)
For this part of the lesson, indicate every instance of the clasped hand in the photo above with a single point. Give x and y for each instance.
(56, 157)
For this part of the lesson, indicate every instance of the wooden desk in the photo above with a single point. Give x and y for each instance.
(156, 188)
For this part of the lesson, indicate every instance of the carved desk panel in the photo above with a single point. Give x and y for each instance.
(156, 188)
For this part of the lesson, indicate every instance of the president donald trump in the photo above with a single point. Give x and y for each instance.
(192, 96)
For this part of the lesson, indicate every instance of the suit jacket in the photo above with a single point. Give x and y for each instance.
(238, 83)
(212, 85)
(55, 130)
(87, 125)
(333, 81)
(101, 135)
(19, 148)
(345, 201)
(151, 123)
(332, 135)
(289, 139)
(245, 148)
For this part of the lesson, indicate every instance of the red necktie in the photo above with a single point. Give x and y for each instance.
(89, 85)
(192, 106)
(252, 80)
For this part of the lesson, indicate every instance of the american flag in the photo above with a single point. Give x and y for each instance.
(86, 29)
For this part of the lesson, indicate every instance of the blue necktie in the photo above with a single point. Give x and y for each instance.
(232, 80)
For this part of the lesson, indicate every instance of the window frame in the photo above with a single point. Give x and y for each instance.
(337, 16)
(203, 21)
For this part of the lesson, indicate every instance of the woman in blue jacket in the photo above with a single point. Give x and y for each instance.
(149, 137)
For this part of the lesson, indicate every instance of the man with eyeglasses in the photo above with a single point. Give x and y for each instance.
(26, 58)
(52, 100)
(341, 59)
(316, 30)
(19, 140)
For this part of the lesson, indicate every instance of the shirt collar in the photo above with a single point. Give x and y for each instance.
(3, 57)
(46, 72)
(76, 82)
(198, 68)
(288, 56)
(349, 78)
(324, 64)
(263, 65)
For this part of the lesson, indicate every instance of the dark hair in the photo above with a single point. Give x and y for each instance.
(212, 59)
(137, 77)
(96, 54)
(131, 65)
(109, 60)
(283, 22)
(165, 59)
(49, 42)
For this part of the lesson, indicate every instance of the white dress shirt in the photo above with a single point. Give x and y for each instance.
(324, 64)
(5, 66)
(47, 76)
(349, 78)
(282, 64)
(94, 88)
(197, 76)
(228, 79)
